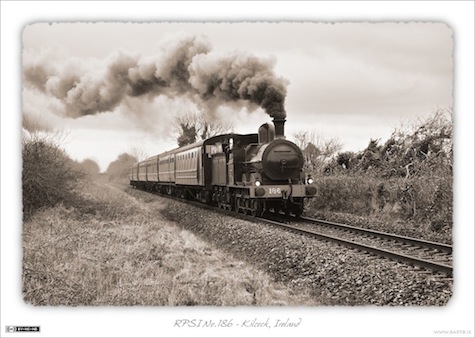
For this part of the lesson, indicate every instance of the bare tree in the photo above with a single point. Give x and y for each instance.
(211, 127)
(316, 148)
(138, 153)
(192, 127)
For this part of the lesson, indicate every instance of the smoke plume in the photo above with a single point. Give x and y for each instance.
(186, 68)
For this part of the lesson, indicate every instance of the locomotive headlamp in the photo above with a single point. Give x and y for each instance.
(309, 180)
(257, 183)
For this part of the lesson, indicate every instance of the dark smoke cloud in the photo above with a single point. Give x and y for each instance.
(218, 79)
(178, 57)
(185, 68)
(239, 77)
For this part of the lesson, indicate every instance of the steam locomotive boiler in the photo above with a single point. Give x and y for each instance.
(250, 173)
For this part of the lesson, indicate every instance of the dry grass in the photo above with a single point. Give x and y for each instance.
(112, 249)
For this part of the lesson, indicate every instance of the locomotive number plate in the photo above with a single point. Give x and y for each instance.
(275, 191)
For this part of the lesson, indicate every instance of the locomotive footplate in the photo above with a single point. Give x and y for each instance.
(284, 191)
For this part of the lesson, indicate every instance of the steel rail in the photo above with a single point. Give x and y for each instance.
(410, 260)
(409, 240)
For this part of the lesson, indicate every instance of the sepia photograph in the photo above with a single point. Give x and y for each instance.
(208, 167)
(325, 133)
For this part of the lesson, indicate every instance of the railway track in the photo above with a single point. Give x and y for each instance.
(433, 256)
(436, 257)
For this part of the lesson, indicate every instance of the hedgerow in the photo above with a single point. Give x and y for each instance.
(48, 174)
(408, 177)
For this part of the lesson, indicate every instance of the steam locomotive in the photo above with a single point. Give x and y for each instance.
(250, 173)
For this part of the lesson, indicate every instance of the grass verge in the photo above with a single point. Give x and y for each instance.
(112, 248)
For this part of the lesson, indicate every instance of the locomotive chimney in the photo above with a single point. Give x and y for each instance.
(279, 127)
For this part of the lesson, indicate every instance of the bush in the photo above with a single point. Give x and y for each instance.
(422, 150)
(417, 199)
(119, 168)
(343, 194)
(89, 167)
(48, 176)
(408, 177)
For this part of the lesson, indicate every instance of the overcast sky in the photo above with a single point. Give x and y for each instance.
(350, 81)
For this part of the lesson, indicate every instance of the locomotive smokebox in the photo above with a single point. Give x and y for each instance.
(279, 127)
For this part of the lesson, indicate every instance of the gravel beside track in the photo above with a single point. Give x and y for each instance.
(334, 275)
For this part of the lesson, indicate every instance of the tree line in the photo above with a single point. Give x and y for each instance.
(421, 149)
(407, 177)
